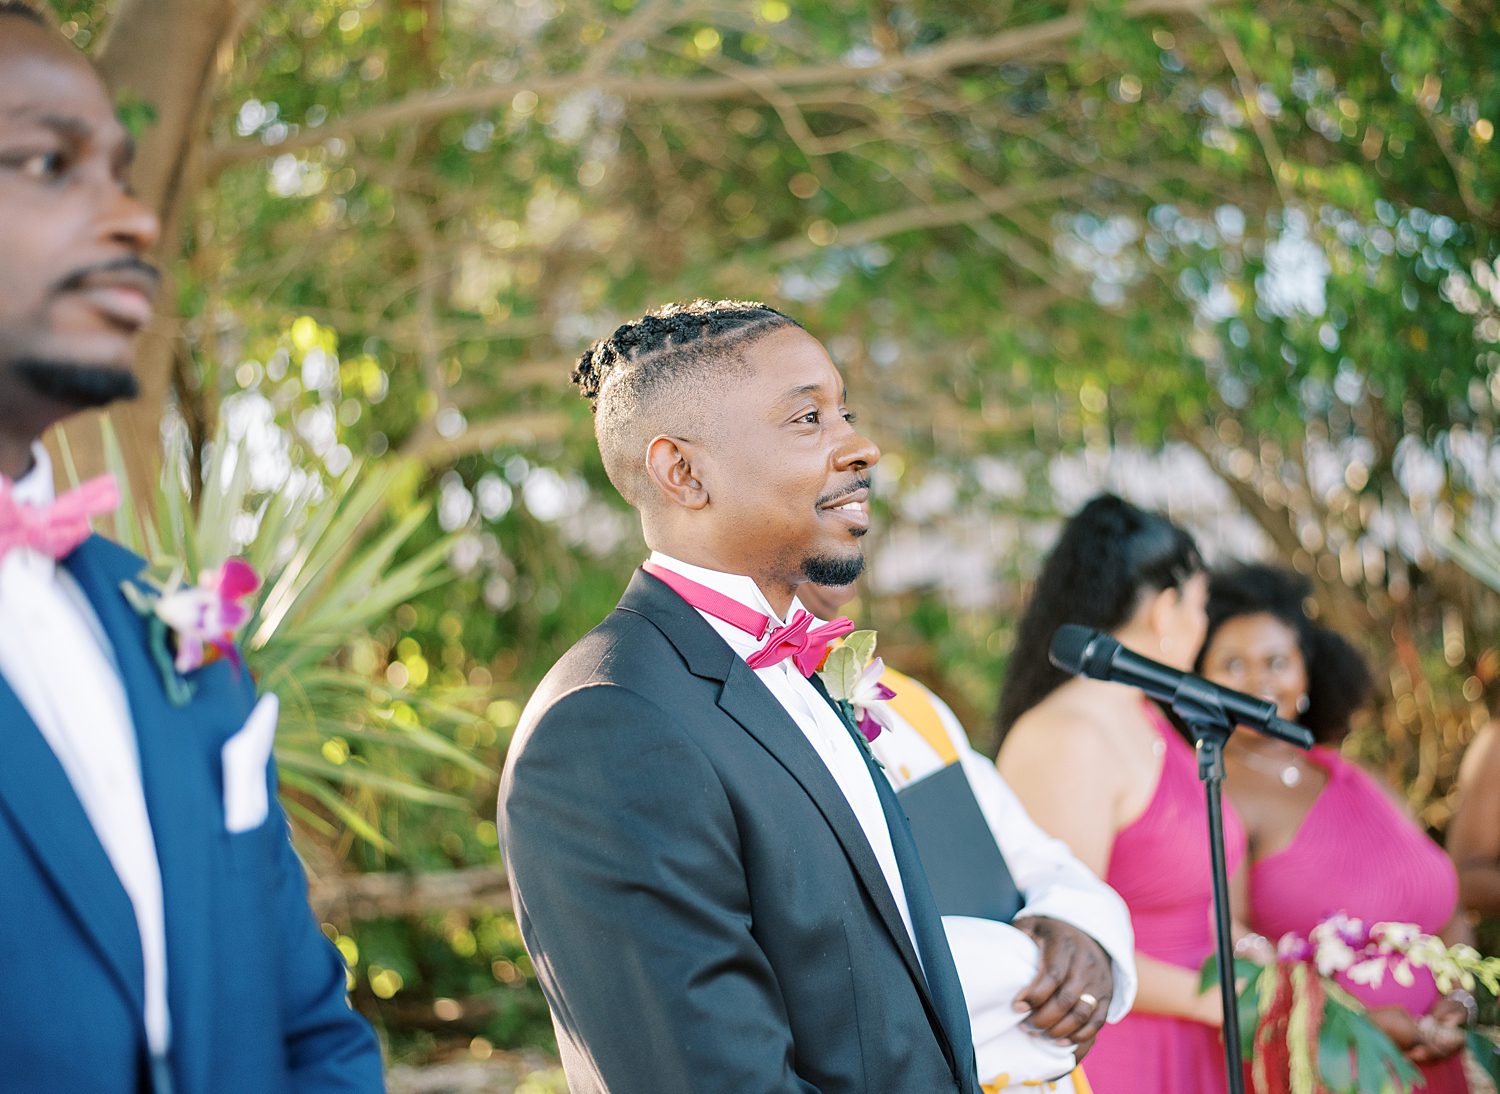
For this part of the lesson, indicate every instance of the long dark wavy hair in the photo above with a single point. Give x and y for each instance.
(1338, 678)
(1109, 555)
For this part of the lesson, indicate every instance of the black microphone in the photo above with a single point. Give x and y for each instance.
(1083, 652)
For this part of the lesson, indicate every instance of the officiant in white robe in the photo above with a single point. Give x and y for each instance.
(996, 960)
(920, 737)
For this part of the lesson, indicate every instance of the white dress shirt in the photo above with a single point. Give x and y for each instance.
(819, 723)
(57, 658)
(995, 960)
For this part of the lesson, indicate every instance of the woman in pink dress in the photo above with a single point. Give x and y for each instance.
(1099, 766)
(1324, 836)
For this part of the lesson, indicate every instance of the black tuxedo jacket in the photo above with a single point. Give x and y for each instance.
(702, 908)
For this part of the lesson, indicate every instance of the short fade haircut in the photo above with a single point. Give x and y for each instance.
(23, 10)
(650, 377)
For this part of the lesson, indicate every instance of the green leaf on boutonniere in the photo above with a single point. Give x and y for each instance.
(863, 645)
(158, 642)
(841, 671)
(851, 719)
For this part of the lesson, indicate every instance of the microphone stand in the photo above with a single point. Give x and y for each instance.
(1198, 706)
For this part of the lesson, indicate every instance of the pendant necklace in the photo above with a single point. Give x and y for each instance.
(1289, 774)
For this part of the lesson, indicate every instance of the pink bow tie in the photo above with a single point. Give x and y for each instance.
(56, 529)
(805, 644)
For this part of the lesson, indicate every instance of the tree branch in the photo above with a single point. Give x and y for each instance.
(740, 84)
(433, 450)
(940, 215)
(344, 898)
(1249, 95)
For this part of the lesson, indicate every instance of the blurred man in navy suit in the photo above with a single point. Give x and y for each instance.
(155, 934)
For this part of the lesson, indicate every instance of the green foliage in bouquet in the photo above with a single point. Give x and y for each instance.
(330, 557)
(1306, 1034)
(1486, 1054)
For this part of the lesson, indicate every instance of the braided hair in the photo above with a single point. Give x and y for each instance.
(1110, 555)
(648, 377)
(1339, 682)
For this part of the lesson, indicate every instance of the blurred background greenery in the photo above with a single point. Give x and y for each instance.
(1237, 261)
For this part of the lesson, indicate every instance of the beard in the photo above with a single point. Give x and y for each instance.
(833, 569)
(80, 386)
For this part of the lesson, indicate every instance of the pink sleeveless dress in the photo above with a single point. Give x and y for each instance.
(1159, 864)
(1357, 852)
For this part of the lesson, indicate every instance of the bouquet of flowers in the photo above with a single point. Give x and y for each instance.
(1304, 1033)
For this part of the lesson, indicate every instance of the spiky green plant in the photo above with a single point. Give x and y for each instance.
(327, 554)
(1476, 551)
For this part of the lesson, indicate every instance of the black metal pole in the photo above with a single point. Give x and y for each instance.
(1211, 771)
(1199, 708)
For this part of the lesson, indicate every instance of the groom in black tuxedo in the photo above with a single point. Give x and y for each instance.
(717, 892)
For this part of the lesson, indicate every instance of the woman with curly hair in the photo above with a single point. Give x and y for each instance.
(1324, 835)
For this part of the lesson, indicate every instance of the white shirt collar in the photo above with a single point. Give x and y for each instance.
(735, 586)
(35, 487)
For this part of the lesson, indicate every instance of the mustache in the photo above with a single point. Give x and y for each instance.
(79, 278)
(857, 484)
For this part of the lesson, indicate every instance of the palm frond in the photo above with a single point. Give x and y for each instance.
(1476, 551)
(329, 555)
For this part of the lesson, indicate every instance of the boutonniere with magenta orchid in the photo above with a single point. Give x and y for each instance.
(851, 672)
(194, 624)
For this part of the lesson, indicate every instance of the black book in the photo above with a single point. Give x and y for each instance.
(964, 865)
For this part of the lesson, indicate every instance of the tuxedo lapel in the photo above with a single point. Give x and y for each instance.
(39, 798)
(750, 703)
(183, 796)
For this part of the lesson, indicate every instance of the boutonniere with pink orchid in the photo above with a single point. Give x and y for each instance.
(852, 673)
(192, 624)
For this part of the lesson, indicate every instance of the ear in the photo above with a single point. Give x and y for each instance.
(670, 465)
(1158, 610)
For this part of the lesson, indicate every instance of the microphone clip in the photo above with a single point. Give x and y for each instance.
(1197, 703)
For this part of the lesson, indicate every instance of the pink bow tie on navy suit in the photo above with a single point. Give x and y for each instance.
(798, 639)
(54, 530)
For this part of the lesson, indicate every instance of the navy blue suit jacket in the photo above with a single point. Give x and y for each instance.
(256, 993)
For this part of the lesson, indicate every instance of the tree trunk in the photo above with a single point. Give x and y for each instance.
(165, 54)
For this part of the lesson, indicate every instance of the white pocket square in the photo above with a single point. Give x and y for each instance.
(245, 757)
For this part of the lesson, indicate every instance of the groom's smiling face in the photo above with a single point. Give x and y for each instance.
(787, 472)
(74, 289)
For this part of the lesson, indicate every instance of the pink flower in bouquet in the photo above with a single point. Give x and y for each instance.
(1337, 942)
(205, 617)
(1293, 947)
